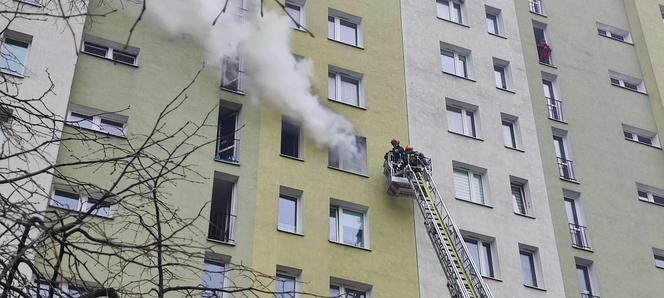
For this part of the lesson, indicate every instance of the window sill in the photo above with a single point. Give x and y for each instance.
(229, 243)
(79, 212)
(635, 91)
(238, 92)
(644, 144)
(291, 233)
(525, 215)
(548, 65)
(559, 121)
(349, 172)
(111, 60)
(615, 39)
(346, 44)
(453, 22)
(347, 104)
(13, 74)
(570, 180)
(535, 288)
(515, 149)
(291, 157)
(539, 14)
(492, 278)
(506, 90)
(475, 203)
(497, 35)
(458, 76)
(582, 248)
(653, 203)
(348, 245)
(96, 131)
(299, 29)
(235, 163)
(467, 136)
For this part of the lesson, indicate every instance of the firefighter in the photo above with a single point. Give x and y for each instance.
(415, 159)
(398, 155)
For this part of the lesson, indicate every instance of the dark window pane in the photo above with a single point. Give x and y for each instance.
(290, 139)
(124, 57)
(94, 49)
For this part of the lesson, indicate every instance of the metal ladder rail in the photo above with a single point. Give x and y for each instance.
(455, 284)
(471, 269)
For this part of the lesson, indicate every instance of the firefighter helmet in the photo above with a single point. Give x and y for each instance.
(409, 148)
(395, 141)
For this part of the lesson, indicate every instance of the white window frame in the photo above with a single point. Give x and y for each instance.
(506, 76)
(469, 119)
(622, 80)
(219, 264)
(83, 202)
(446, 11)
(346, 164)
(592, 278)
(339, 74)
(337, 17)
(111, 48)
(614, 33)
(495, 25)
(658, 256)
(300, 141)
(634, 134)
(522, 184)
(292, 194)
(287, 275)
(21, 38)
(661, 11)
(232, 213)
(241, 73)
(515, 131)
(97, 117)
(461, 59)
(340, 206)
(536, 6)
(536, 265)
(545, 34)
(344, 285)
(478, 193)
(650, 192)
(300, 4)
(485, 260)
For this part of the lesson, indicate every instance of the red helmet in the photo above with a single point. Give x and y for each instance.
(395, 141)
(409, 148)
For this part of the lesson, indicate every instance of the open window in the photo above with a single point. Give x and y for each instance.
(228, 132)
(232, 74)
(291, 138)
(222, 208)
(544, 50)
(350, 161)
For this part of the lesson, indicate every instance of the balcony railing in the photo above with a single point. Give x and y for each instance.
(566, 168)
(222, 227)
(584, 295)
(579, 236)
(536, 6)
(227, 149)
(556, 111)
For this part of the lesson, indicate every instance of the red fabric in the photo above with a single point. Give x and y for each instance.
(544, 51)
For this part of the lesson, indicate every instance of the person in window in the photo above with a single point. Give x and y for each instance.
(398, 156)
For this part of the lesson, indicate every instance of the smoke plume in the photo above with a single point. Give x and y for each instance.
(273, 76)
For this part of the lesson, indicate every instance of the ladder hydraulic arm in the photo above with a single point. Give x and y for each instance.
(414, 177)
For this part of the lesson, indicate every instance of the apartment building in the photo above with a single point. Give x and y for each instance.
(37, 60)
(593, 76)
(469, 110)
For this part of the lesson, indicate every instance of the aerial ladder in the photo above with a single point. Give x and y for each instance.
(413, 178)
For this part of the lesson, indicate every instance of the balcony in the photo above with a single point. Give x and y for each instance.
(555, 107)
(579, 236)
(222, 228)
(566, 169)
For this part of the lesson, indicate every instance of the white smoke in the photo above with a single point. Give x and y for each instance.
(274, 76)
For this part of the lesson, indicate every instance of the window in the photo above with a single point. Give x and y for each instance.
(228, 133)
(222, 208)
(659, 258)
(650, 194)
(575, 219)
(41, 289)
(93, 119)
(291, 140)
(454, 60)
(344, 28)
(563, 156)
(295, 8)
(5, 123)
(528, 267)
(110, 50)
(553, 102)
(661, 11)
(69, 199)
(511, 135)
(232, 74)
(536, 6)
(348, 289)
(345, 86)
(355, 162)
(481, 254)
(14, 52)
(285, 286)
(641, 136)
(518, 187)
(461, 119)
(451, 10)
(501, 73)
(628, 82)
(213, 278)
(289, 210)
(469, 185)
(614, 33)
(347, 225)
(493, 20)
(544, 51)
(585, 276)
